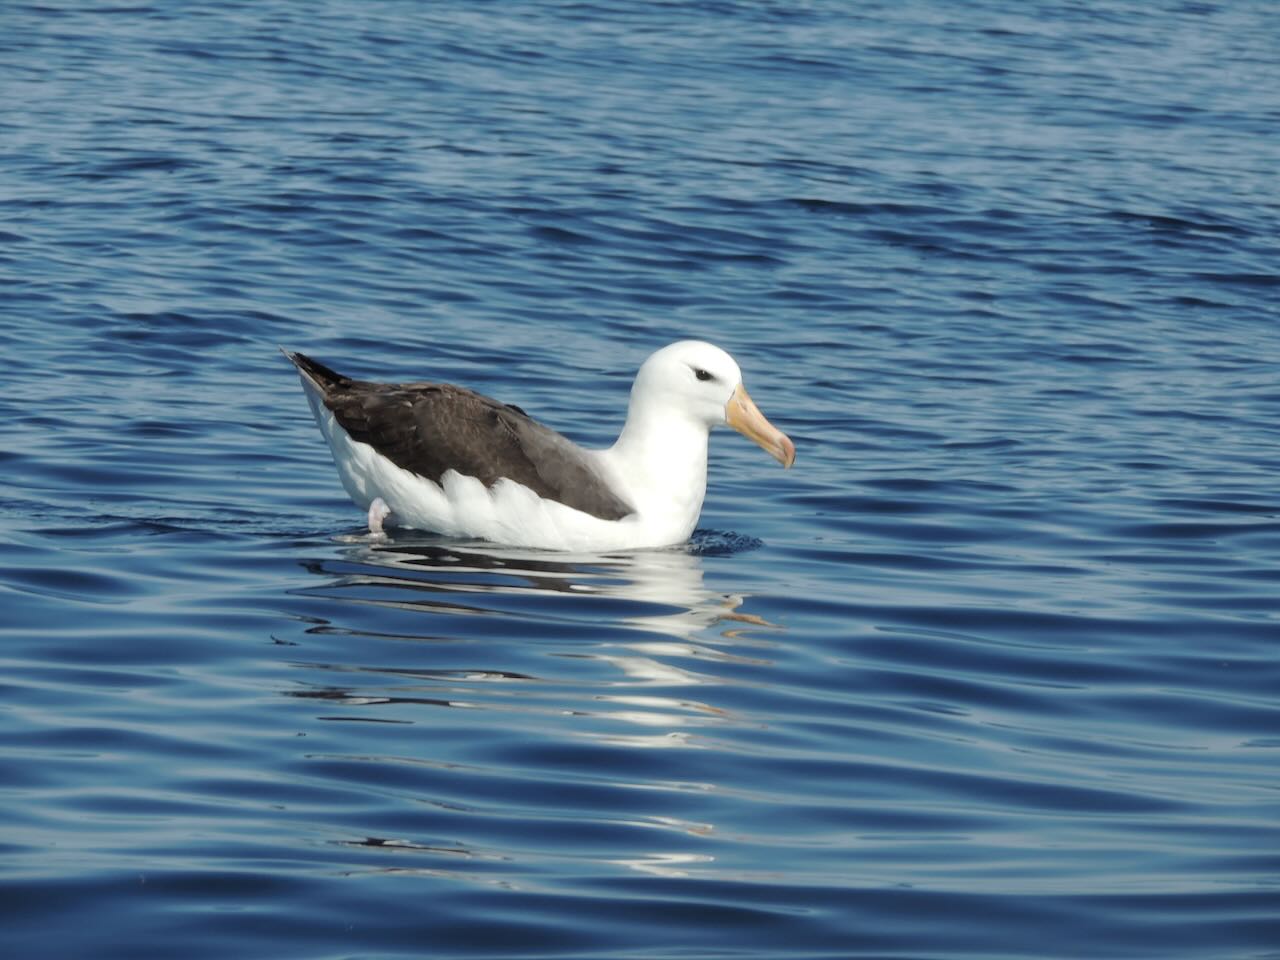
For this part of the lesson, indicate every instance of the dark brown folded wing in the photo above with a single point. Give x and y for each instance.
(429, 428)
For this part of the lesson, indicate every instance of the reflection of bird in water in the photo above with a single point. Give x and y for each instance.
(626, 652)
(657, 595)
(433, 456)
(671, 580)
(552, 670)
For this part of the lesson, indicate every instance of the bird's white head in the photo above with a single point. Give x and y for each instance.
(704, 383)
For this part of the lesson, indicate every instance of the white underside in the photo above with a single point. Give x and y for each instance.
(507, 512)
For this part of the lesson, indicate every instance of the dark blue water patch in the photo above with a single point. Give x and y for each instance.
(72, 585)
(1193, 506)
(134, 165)
(871, 922)
(721, 543)
(1187, 530)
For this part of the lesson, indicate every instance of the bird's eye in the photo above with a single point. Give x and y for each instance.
(702, 374)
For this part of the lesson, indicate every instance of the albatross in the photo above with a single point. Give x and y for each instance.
(445, 459)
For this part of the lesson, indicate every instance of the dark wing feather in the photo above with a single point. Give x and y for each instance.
(429, 428)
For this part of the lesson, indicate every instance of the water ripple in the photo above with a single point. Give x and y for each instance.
(991, 672)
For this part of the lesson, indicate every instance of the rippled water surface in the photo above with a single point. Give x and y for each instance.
(993, 672)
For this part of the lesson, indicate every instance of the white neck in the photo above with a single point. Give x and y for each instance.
(660, 459)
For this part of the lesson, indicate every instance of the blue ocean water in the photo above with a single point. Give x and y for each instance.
(993, 672)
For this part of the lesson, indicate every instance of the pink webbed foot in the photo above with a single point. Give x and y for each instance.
(378, 512)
